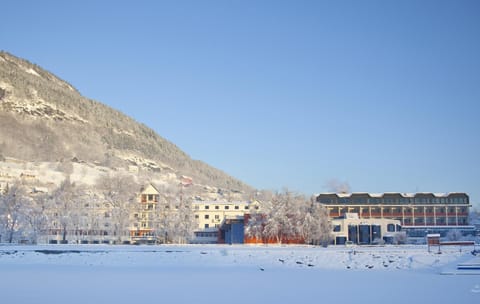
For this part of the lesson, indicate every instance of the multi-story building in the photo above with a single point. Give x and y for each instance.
(418, 213)
(210, 214)
(81, 223)
(143, 217)
(207, 215)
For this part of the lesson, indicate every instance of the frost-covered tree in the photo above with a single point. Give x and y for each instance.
(290, 217)
(12, 204)
(174, 217)
(284, 217)
(317, 228)
(185, 219)
(311, 226)
(118, 191)
(36, 217)
(165, 219)
(64, 204)
(255, 224)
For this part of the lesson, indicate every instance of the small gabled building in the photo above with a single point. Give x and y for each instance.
(349, 228)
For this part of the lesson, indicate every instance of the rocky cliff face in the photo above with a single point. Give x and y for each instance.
(48, 127)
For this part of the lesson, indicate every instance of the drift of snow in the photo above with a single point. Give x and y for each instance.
(31, 71)
(233, 274)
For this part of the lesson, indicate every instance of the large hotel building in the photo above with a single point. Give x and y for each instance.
(419, 212)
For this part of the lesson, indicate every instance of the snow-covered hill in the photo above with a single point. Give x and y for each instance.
(46, 125)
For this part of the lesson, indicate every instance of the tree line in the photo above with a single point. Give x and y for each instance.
(110, 210)
(69, 209)
(290, 217)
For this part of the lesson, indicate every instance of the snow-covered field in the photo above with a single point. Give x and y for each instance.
(235, 274)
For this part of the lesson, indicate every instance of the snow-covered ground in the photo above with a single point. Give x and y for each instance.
(235, 274)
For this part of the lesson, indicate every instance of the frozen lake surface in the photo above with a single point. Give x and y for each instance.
(235, 274)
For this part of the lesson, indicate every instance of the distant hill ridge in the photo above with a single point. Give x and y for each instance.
(45, 119)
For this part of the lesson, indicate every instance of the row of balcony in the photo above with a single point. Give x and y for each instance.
(406, 214)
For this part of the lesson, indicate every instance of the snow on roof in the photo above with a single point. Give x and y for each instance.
(220, 202)
(380, 195)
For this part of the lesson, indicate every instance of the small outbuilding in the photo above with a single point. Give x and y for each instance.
(350, 229)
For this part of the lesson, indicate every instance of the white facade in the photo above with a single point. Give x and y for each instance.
(210, 214)
(357, 230)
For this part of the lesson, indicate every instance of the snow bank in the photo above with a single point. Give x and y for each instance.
(234, 274)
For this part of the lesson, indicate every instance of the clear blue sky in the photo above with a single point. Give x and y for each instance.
(384, 95)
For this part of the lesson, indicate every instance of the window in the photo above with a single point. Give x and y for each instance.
(207, 207)
(337, 228)
(196, 216)
(360, 201)
(206, 226)
(236, 207)
(197, 207)
(227, 207)
(217, 217)
(207, 216)
(246, 208)
(150, 197)
(217, 207)
(391, 227)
